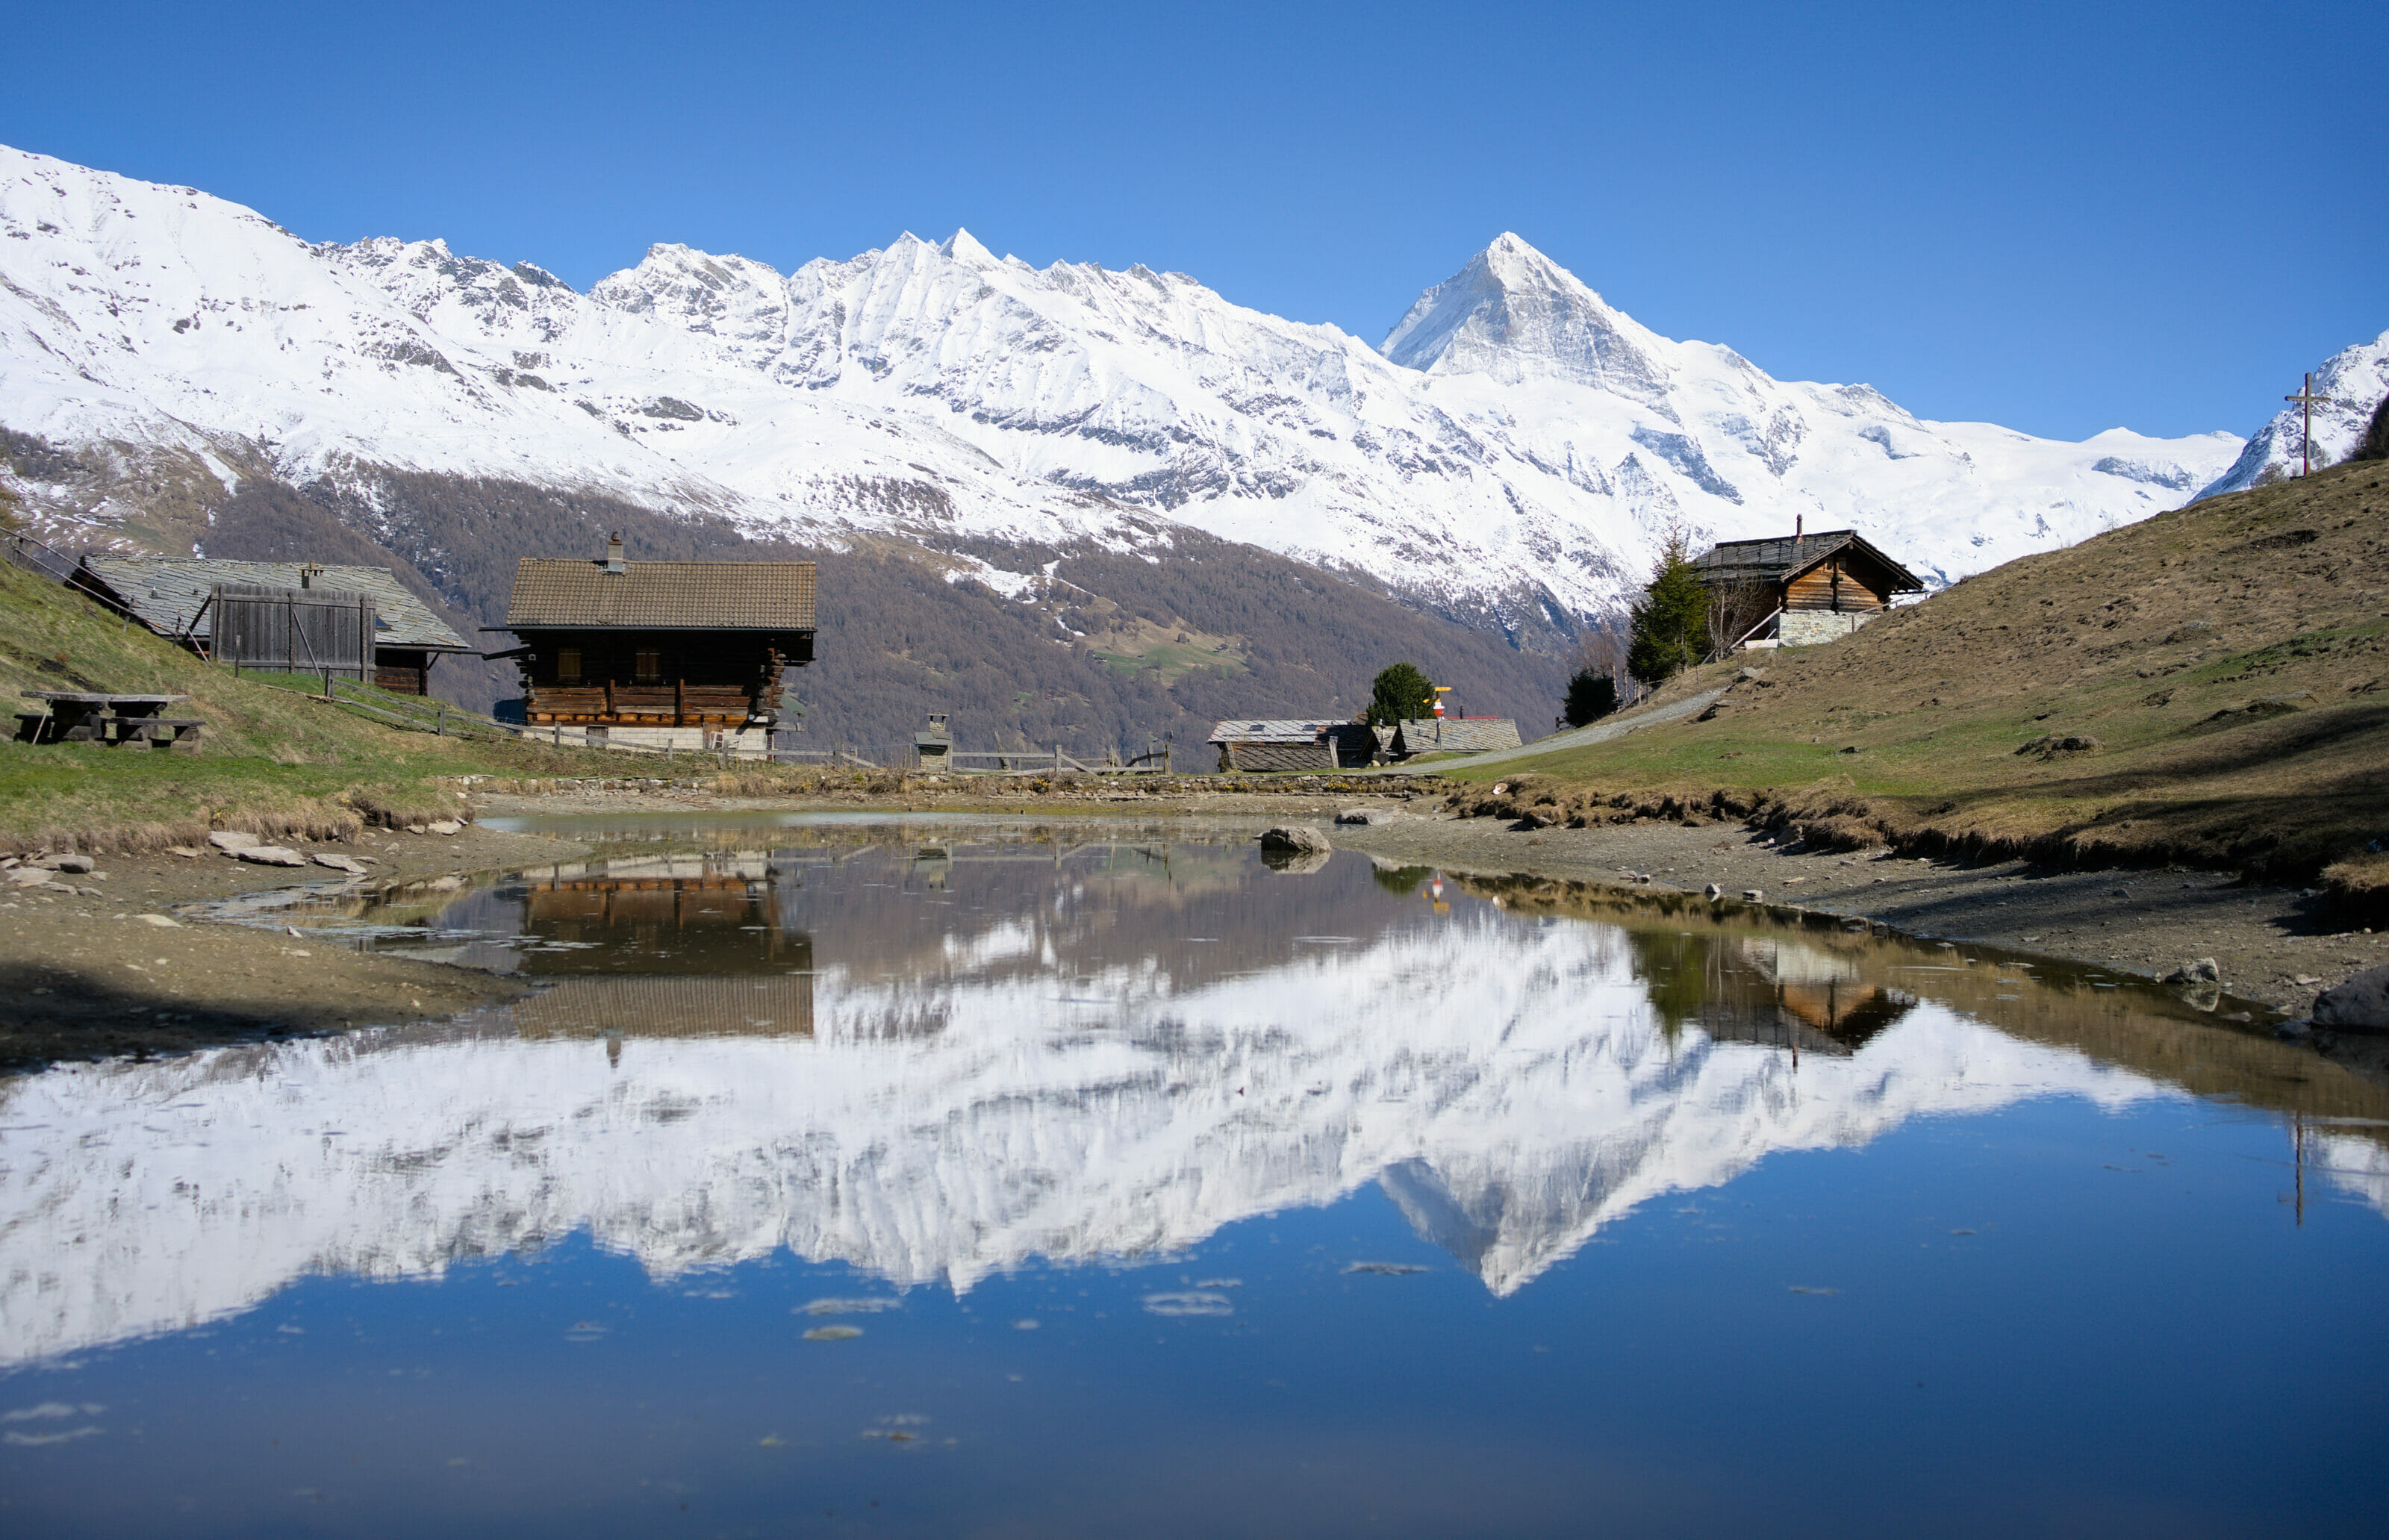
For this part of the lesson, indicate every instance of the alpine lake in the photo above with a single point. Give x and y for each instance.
(1002, 1178)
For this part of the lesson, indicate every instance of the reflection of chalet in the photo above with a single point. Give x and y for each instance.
(180, 598)
(673, 1006)
(1802, 997)
(710, 923)
(686, 652)
(1801, 589)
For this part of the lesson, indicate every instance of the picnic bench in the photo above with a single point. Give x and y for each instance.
(82, 716)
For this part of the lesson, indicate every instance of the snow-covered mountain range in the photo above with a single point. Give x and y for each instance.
(2355, 379)
(1518, 444)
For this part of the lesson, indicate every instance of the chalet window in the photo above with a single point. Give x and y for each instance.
(568, 663)
(650, 665)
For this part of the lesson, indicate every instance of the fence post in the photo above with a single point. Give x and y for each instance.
(442, 729)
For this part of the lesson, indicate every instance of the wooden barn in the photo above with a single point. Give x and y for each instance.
(357, 622)
(1791, 590)
(690, 654)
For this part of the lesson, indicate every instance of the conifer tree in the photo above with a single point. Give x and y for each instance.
(1590, 696)
(1671, 623)
(1400, 693)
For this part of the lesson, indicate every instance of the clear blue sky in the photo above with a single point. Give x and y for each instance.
(2062, 218)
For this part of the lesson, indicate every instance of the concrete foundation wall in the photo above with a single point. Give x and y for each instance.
(753, 743)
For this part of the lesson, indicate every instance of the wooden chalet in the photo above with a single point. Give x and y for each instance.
(1801, 589)
(357, 622)
(661, 651)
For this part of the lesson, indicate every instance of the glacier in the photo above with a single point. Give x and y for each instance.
(1518, 445)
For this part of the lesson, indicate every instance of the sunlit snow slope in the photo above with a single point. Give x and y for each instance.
(1519, 443)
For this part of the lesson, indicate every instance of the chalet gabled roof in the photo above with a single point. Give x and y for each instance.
(1449, 735)
(1256, 730)
(1780, 558)
(718, 596)
(166, 593)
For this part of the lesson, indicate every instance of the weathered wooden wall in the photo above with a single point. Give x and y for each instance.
(302, 630)
(1832, 585)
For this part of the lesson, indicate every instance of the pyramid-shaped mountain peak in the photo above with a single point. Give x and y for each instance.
(1514, 313)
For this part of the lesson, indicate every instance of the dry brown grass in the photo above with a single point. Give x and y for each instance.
(2223, 671)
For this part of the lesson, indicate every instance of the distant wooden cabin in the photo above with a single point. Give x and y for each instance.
(1278, 743)
(1795, 590)
(694, 653)
(358, 622)
(1407, 740)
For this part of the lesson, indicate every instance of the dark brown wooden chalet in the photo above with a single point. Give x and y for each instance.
(658, 644)
(1801, 587)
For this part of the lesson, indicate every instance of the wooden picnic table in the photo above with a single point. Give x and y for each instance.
(86, 716)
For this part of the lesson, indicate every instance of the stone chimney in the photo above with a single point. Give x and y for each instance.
(614, 552)
(308, 573)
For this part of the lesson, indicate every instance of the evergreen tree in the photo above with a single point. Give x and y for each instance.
(1401, 694)
(1590, 696)
(1671, 624)
(2374, 445)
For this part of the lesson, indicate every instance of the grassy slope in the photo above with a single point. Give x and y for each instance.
(271, 760)
(2139, 638)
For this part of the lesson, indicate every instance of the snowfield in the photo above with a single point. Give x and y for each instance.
(1517, 444)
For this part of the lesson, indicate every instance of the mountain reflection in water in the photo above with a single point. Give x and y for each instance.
(939, 1066)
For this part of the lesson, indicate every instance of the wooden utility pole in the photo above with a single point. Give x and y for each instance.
(2307, 401)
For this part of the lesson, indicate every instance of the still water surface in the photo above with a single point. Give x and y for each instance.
(982, 1178)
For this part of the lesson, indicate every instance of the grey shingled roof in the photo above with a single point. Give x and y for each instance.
(1254, 729)
(1452, 735)
(164, 593)
(741, 596)
(1779, 557)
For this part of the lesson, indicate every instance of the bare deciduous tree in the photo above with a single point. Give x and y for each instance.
(1602, 650)
(1737, 605)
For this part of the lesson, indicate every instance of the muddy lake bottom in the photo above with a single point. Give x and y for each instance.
(924, 1177)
